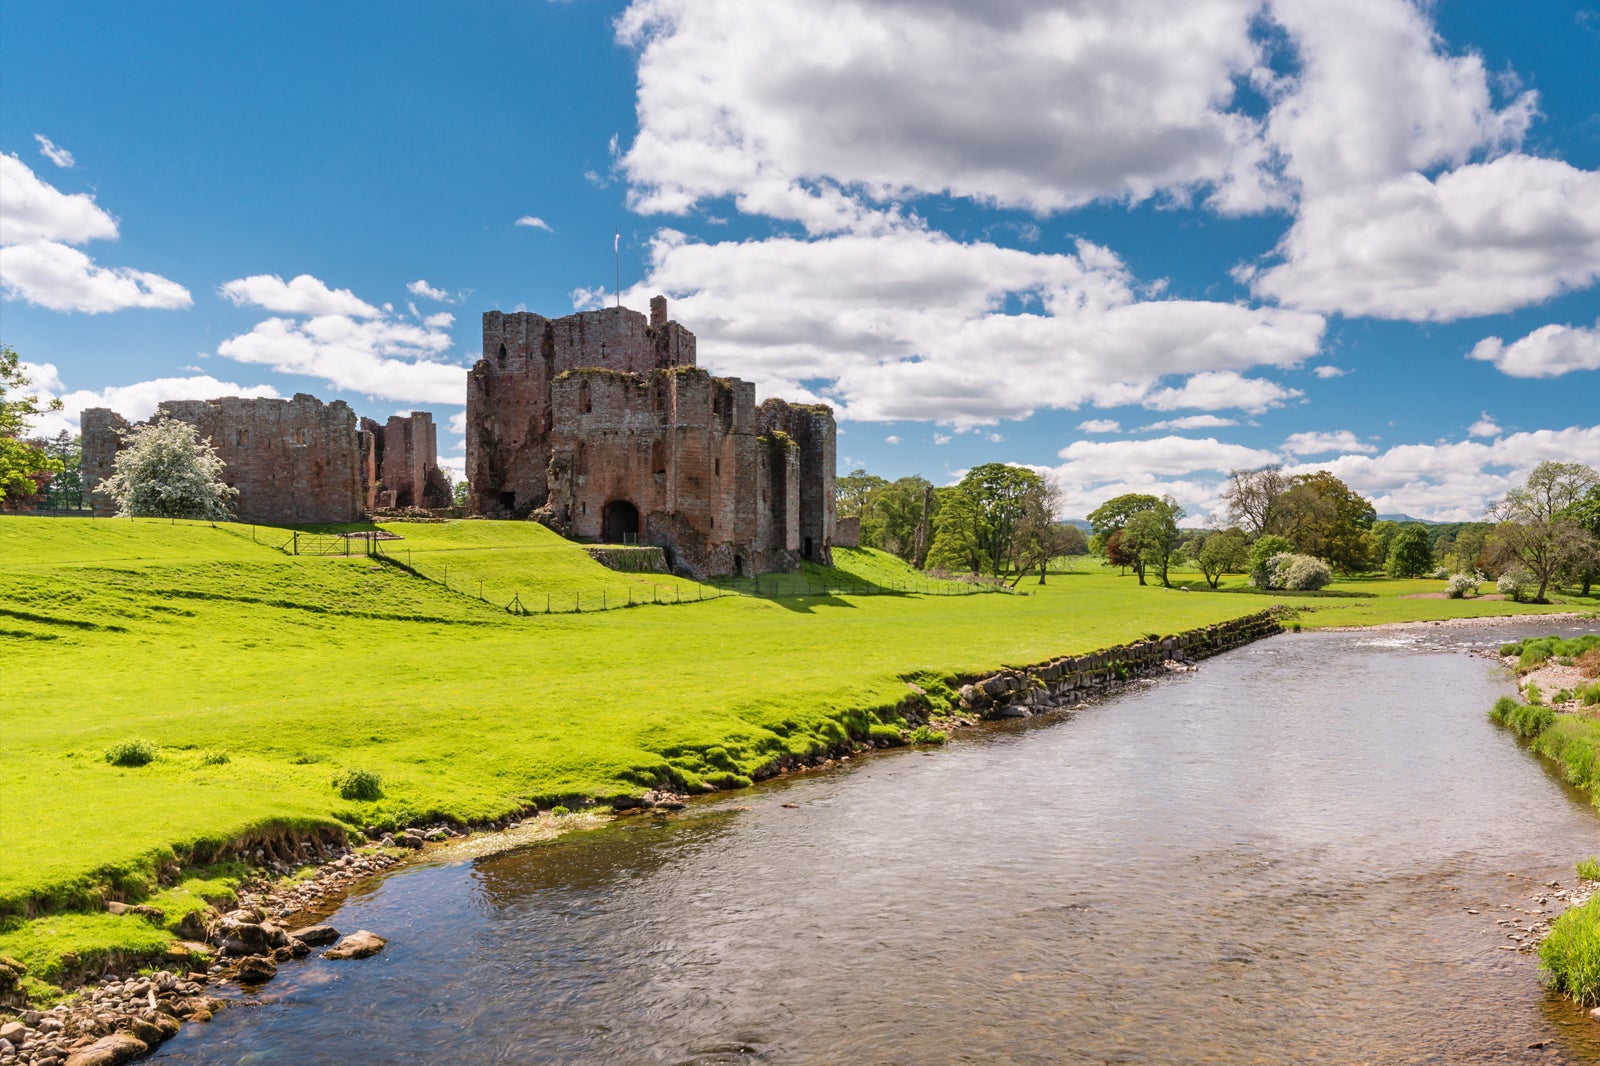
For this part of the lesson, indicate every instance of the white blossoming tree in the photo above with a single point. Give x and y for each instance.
(165, 470)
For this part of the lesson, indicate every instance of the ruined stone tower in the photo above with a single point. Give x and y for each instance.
(600, 425)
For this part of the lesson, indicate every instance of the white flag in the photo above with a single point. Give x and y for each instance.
(616, 243)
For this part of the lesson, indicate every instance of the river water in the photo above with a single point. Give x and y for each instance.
(1275, 859)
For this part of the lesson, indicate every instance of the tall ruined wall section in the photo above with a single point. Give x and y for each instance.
(815, 435)
(101, 430)
(509, 415)
(408, 463)
(293, 461)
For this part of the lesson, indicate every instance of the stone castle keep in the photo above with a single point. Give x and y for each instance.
(600, 425)
(298, 461)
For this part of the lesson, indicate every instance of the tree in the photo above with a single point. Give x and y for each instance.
(1039, 537)
(1322, 516)
(1254, 498)
(164, 470)
(24, 465)
(1109, 523)
(461, 492)
(1533, 525)
(1262, 552)
(999, 494)
(1222, 552)
(65, 492)
(1156, 532)
(1410, 554)
(852, 492)
(1585, 513)
(955, 548)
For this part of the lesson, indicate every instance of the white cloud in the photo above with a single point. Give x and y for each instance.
(891, 99)
(533, 222)
(54, 152)
(51, 275)
(1547, 352)
(891, 439)
(380, 357)
(304, 295)
(1481, 239)
(34, 210)
(1190, 470)
(38, 222)
(1322, 443)
(1484, 427)
(1100, 425)
(1191, 422)
(1222, 389)
(1326, 371)
(942, 438)
(441, 320)
(457, 423)
(135, 402)
(909, 324)
(422, 288)
(993, 438)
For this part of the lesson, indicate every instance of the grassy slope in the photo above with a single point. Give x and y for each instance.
(203, 641)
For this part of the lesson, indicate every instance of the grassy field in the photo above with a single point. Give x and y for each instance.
(260, 676)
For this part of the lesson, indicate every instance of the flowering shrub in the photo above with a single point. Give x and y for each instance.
(1298, 573)
(1516, 584)
(1461, 585)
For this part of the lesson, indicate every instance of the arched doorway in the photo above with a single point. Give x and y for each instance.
(620, 523)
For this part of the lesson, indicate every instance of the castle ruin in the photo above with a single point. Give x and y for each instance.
(294, 462)
(600, 425)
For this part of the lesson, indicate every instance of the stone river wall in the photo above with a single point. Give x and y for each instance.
(1021, 692)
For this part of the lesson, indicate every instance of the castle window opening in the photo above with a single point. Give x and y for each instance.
(508, 500)
(300, 437)
(658, 457)
(585, 404)
(716, 468)
(241, 438)
(808, 548)
(502, 355)
(738, 566)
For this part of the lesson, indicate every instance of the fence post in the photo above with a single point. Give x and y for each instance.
(297, 542)
(602, 599)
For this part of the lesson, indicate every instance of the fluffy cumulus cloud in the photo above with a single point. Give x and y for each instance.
(911, 324)
(826, 112)
(1192, 422)
(1484, 427)
(345, 341)
(1323, 443)
(38, 226)
(136, 402)
(1547, 352)
(303, 295)
(1100, 425)
(420, 287)
(1480, 239)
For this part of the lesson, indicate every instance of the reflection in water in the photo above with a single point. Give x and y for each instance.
(1273, 860)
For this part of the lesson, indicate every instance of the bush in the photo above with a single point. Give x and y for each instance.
(1298, 573)
(1562, 696)
(1589, 869)
(1440, 573)
(1589, 695)
(359, 785)
(134, 752)
(213, 758)
(1534, 695)
(1517, 584)
(1262, 552)
(1570, 954)
(1522, 719)
(559, 811)
(1461, 585)
(926, 735)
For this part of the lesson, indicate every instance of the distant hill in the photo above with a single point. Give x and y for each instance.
(1081, 523)
(1406, 518)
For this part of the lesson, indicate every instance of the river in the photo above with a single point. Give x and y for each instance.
(1299, 853)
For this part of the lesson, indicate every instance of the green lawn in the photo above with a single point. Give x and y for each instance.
(204, 641)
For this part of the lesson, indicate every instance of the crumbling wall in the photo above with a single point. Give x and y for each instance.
(812, 428)
(296, 461)
(409, 462)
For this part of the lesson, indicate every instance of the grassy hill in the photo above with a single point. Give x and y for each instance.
(260, 676)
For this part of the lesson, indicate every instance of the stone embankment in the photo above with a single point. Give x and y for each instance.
(1065, 682)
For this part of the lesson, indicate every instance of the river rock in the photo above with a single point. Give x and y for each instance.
(153, 1030)
(12, 1031)
(358, 945)
(315, 935)
(256, 970)
(110, 1050)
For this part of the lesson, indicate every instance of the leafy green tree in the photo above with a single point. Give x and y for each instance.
(1039, 537)
(853, 491)
(461, 492)
(1109, 524)
(999, 493)
(165, 470)
(1534, 527)
(1223, 552)
(25, 466)
(955, 546)
(1410, 554)
(65, 491)
(1156, 532)
(1324, 517)
(1585, 514)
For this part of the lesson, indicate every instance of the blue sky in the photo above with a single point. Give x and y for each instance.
(1132, 244)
